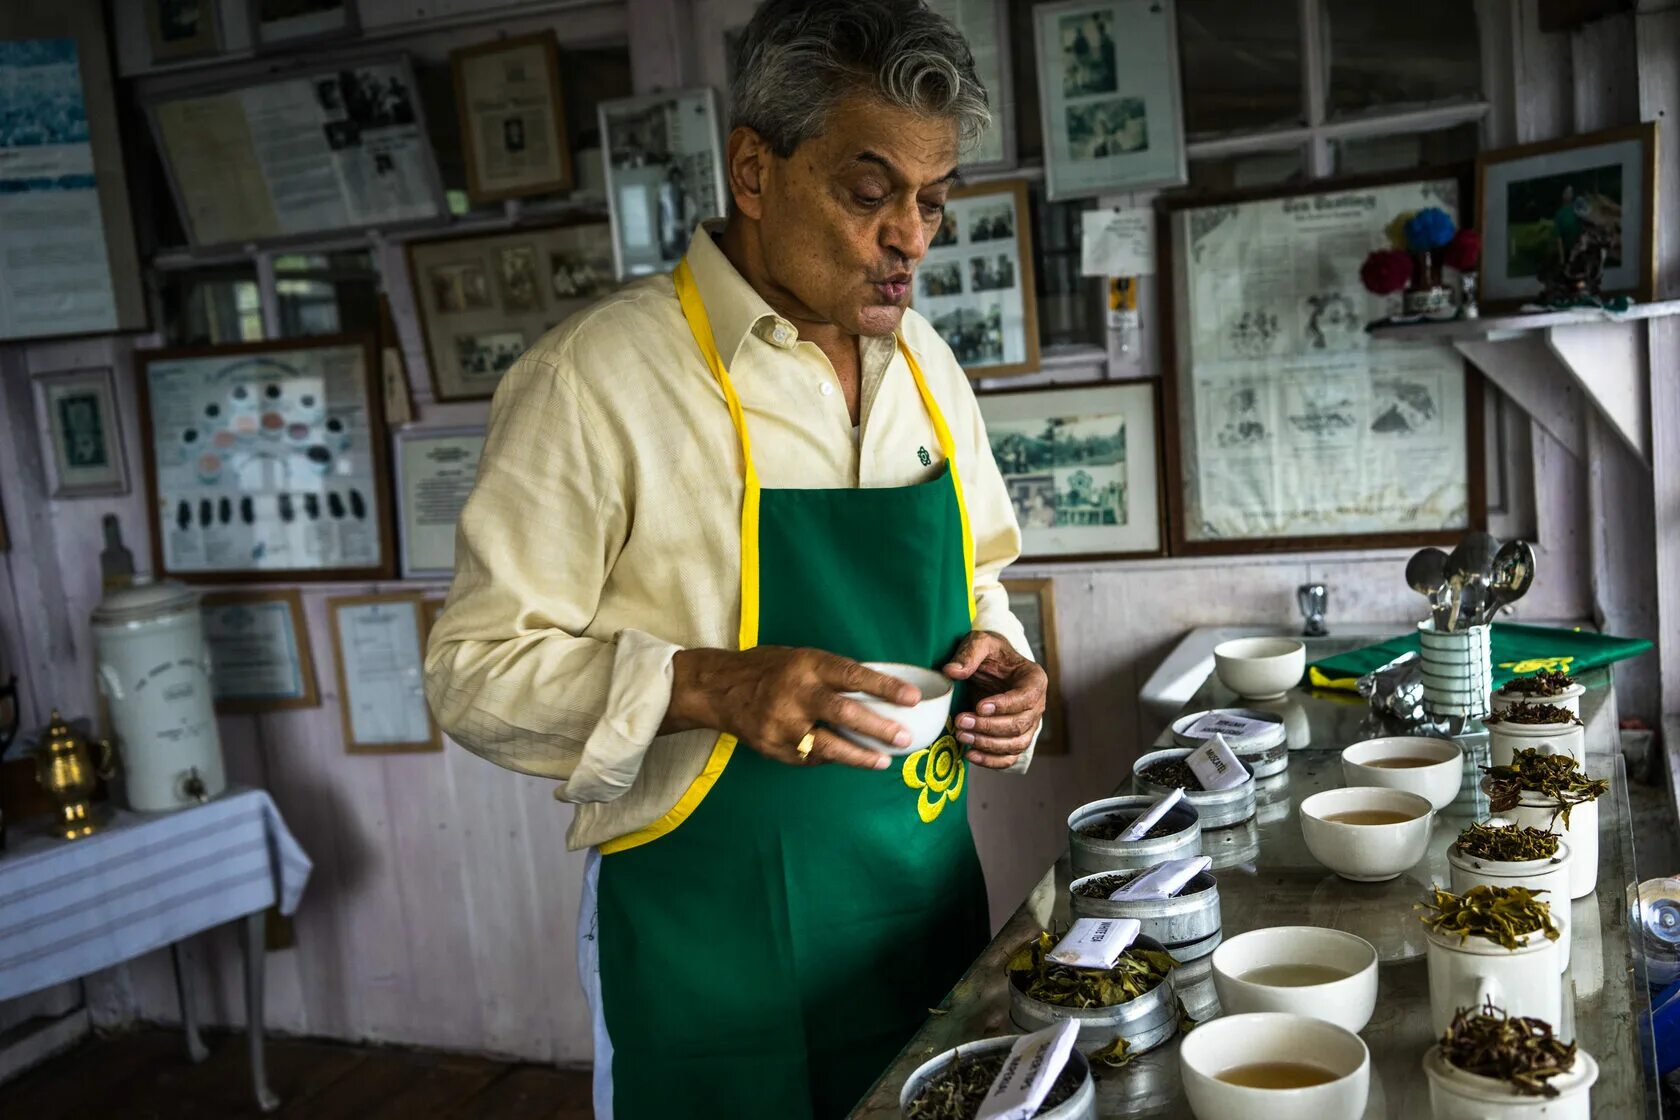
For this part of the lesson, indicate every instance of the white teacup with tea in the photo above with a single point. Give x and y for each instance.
(1304, 970)
(1274, 1066)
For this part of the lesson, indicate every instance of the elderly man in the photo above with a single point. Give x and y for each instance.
(703, 502)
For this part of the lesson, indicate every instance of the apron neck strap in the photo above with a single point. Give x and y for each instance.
(694, 310)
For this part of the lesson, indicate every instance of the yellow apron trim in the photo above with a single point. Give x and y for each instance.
(1319, 680)
(694, 310)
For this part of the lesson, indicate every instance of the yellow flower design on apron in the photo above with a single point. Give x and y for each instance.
(938, 772)
(1535, 664)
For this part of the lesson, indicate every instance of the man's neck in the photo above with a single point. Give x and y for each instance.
(741, 244)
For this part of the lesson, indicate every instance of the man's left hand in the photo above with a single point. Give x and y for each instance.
(1007, 692)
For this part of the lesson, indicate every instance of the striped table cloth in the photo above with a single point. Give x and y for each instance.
(68, 908)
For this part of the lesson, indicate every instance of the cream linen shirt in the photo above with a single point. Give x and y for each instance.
(603, 533)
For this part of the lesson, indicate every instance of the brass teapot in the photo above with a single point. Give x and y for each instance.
(65, 767)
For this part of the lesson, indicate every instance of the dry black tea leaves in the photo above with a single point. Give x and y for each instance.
(1171, 772)
(1503, 915)
(1110, 827)
(955, 1092)
(1519, 1051)
(1556, 778)
(1101, 886)
(1138, 972)
(1544, 683)
(1533, 715)
(1507, 843)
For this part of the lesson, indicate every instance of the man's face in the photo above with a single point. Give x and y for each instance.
(848, 216)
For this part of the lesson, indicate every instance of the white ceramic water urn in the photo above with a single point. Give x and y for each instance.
(154, 669)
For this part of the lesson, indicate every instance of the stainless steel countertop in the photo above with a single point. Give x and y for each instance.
(1267, 878)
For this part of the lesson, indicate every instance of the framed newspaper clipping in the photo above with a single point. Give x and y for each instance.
(513, 121)
(1288, 426)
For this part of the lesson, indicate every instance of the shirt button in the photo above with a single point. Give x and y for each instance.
(781, 335)
(827, 389)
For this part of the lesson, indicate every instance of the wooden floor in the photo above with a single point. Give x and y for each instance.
(146, 1076)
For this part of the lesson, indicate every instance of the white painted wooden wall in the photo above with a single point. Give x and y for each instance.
(441, 912)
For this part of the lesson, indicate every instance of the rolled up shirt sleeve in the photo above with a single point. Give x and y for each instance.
(515, 670)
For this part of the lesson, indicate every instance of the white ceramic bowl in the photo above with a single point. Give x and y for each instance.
(925, 721)
(1347, 1002)
(1239, 1040)
(1260, 668)
(1366, 852)
(1440, 783)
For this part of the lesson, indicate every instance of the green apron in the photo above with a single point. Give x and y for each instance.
(768, 948)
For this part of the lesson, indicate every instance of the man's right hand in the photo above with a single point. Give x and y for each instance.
(770, 697)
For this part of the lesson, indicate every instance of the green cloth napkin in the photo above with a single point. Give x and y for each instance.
(1517, 650)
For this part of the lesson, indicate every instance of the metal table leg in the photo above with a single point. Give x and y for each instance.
(252, 942)
(182, 956)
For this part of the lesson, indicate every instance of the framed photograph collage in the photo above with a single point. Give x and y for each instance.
(483, 299)
(664, 169)
(976, 284)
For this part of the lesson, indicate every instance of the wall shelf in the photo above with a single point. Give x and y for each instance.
(1547, 361)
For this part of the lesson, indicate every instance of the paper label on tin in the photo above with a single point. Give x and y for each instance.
(1164, 880)
(1034, 1063)
(1216, 765)
(1152, 816)
(1095, 942)
(1235, 728)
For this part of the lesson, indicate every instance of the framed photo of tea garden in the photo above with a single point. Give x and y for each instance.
(1082, 467)
(1596, 192)
(1292, 427)
(1108, 95)
(976, 283)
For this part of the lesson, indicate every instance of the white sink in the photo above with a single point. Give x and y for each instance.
(1170, 687)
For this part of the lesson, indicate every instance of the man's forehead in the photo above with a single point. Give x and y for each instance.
(871, 131)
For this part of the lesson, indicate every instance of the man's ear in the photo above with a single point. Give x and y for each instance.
(747, 165)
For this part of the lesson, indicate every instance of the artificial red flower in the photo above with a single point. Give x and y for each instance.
(1386, 271)
(1464, 251)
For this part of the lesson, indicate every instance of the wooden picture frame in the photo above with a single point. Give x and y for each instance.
(1053, 739)
(83, 451)
(993, 65)
(1274, 357)
(471, 313)
(271, 472)
(290, 602)
(645, 140)
(1622, 160)
(523, 111)
(1048, 442)
(399, 692)
(1112, 113)
(971, 250)
(170, 42)
(335, 22)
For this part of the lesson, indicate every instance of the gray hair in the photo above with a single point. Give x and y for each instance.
(799, 58)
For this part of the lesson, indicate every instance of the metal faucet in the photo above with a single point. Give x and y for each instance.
(1311, 598)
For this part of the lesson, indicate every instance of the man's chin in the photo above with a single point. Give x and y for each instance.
(879, 319)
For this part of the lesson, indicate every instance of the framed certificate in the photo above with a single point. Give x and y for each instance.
(435, 469)
(266, 461)
(664, 170)
(1290, 426)
(513, 122)
(1109, 97)
(1082, 468)
(77, 409)
(259, 650)
(484, 298)
(380, 647)
(976, 284)
(280, 158)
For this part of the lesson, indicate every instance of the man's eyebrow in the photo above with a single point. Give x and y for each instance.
(887, 165)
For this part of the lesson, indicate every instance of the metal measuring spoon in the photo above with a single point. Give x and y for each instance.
(1426, 571)
(1513, 574)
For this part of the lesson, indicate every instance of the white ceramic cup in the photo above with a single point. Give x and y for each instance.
(1581, 834)
(1505, 739)
(1347, 1002)
(925, 721)
(1455, 1094)
(1238, 1040)
(1541, 875)
(1569, 698)
(1440, 783)
(1260, 668)
(1368, 853)
(1468, 973)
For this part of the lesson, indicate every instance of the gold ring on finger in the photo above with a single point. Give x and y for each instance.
(805, 746)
